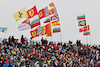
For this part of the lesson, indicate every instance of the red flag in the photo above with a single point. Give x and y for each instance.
(84, 29)
(48, 28)
(43, 12)
(43, 30)
(53, 17)
(32, 12)
(51, 12)
(27, 21)
(34, 33)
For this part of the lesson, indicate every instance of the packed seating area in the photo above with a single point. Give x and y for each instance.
(43, 54)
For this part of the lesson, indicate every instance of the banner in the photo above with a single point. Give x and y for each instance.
(24, 25)
(20, 14)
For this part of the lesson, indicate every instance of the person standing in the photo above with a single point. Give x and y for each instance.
(22, 39)
(42, 41)
(13, 39)
(30, 41)
(37, 63)
(9, 39)
(45, 41)
(25, 41)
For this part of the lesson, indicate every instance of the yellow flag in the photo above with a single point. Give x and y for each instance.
(34, 33)
(51, 4)
(43, 30)
(20, 14)
(55, 23)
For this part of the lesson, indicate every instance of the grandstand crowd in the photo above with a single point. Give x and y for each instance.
(47, 54)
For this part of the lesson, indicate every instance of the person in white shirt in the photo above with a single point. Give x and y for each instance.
(30, 41)
(45, 64)
(37, 64)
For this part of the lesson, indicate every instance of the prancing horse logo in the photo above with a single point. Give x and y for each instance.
(20, 14)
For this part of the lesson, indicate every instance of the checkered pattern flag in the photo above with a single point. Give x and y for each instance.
(39, 31)
(46, 11)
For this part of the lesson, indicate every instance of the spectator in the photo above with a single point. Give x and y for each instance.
(9, 39)
(22, 39)
(42, 41)
(25, 41)
(49, 55)
(13, 39)
(30, 41)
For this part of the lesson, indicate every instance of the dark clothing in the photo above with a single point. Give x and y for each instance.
(78, 43)
(51, 64)
(22, 40)
(42, 40)
(13, 40)
(37, 45)
(9, 40)
(45, 42)
(64, 46)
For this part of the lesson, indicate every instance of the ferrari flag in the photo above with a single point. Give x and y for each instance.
(32, 12)
(43, 12)
(82, 23)
(46, 29)
(34, 33)
(20, 14)
(84, 29)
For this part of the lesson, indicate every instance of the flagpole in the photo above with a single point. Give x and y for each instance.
(90, 37)
(5, 35)
(87, 39)
(51, 30)
(86, 35)
(60, 33)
